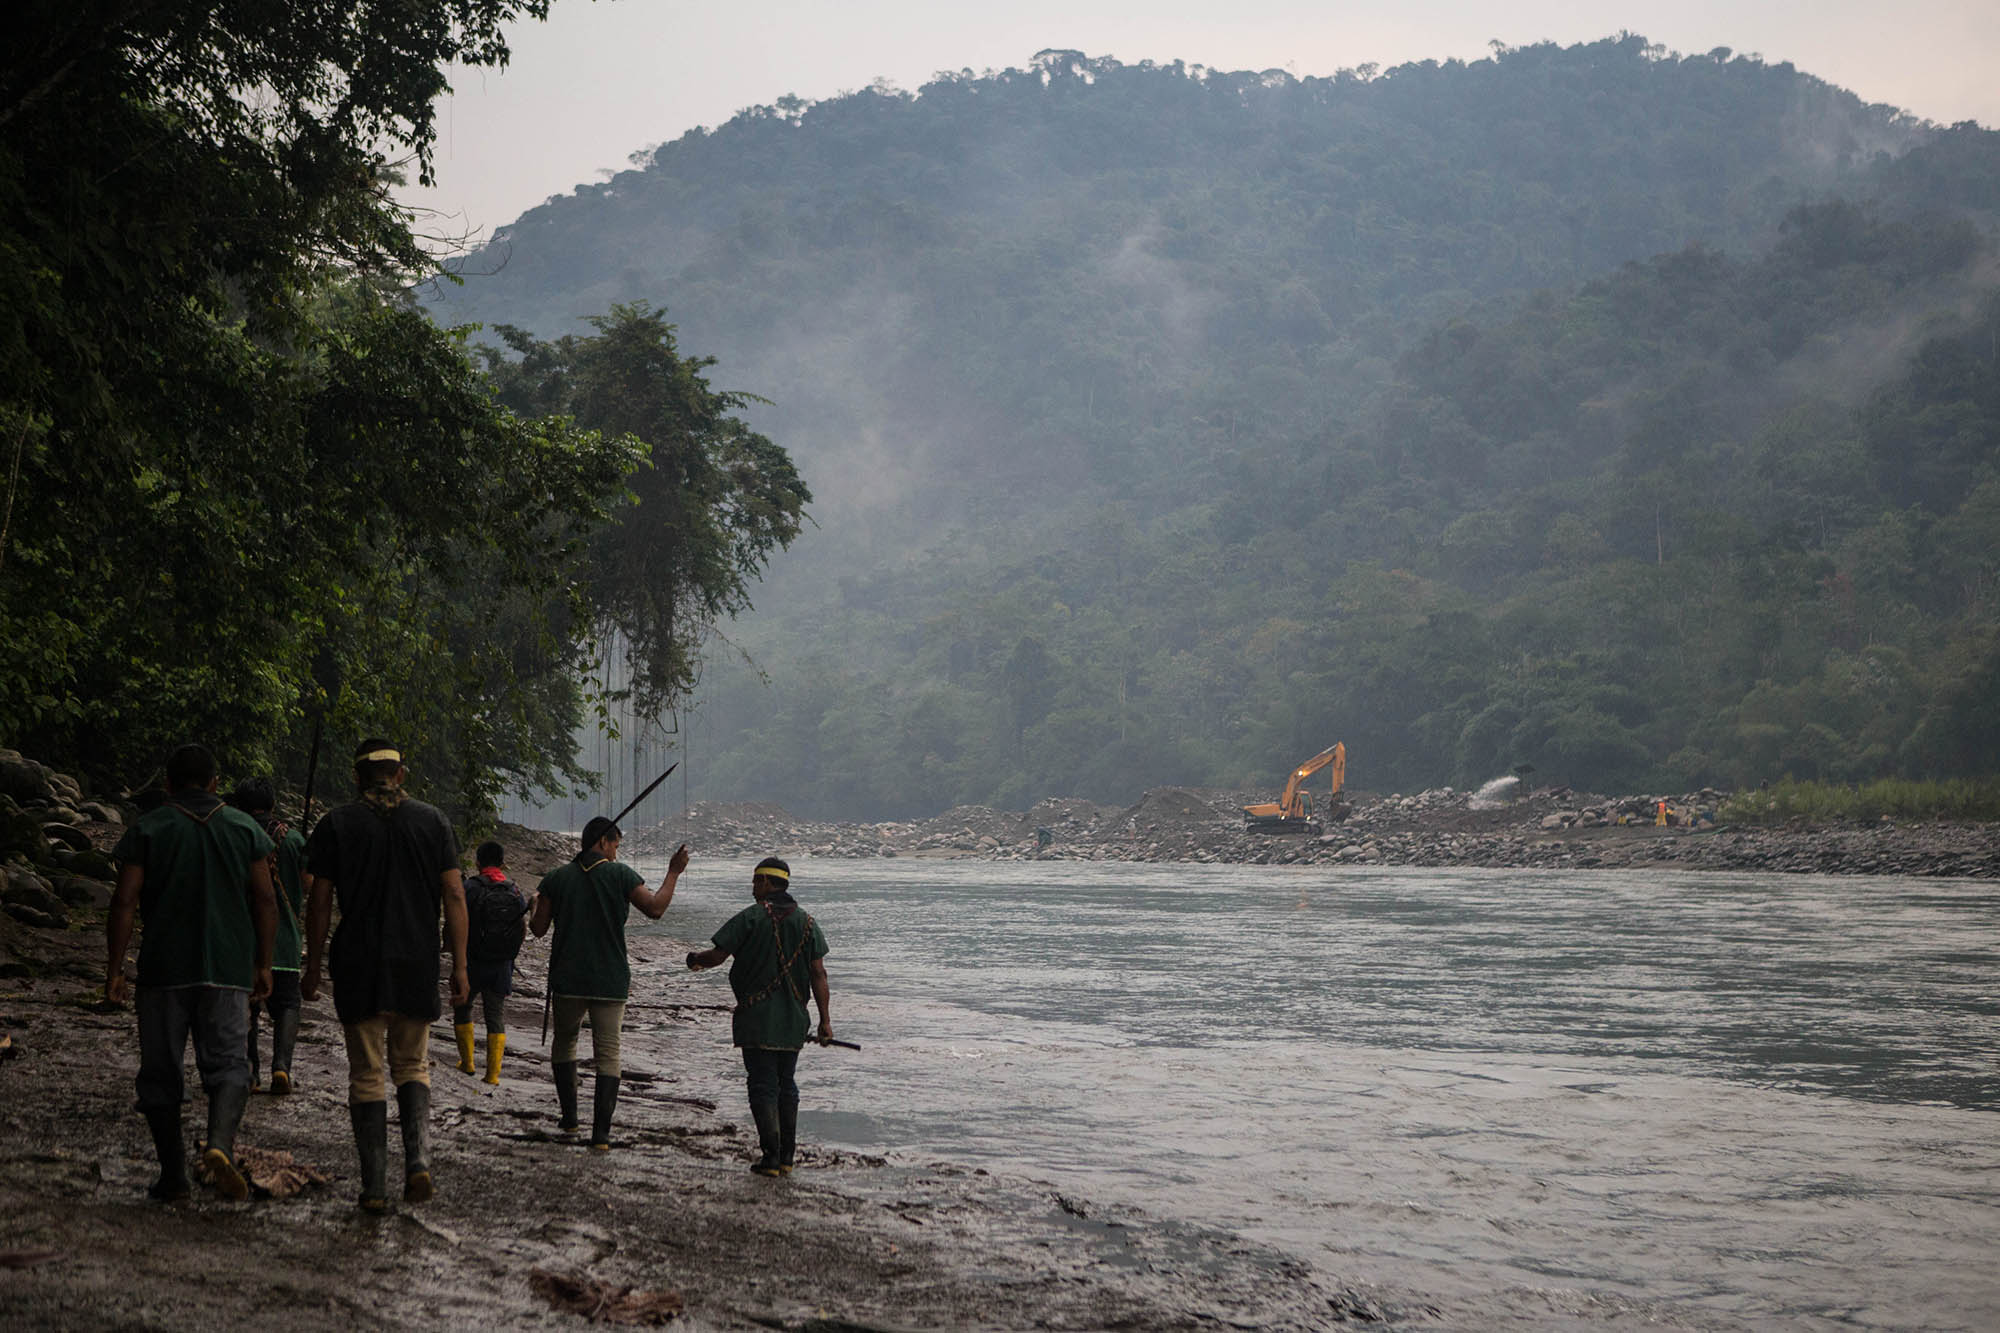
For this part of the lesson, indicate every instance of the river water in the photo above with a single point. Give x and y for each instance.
(1522, 1097)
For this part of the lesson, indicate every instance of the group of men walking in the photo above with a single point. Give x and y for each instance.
(236, 909)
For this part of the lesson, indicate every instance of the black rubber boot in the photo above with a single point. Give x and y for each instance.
(566, 1095)
(604, 1100)
(413, 1106)
(251, 1044)
(171, 1148)
(284, 1036)
(766, 1116)
(371, 1143)
(225, 1113)
(788, 1134)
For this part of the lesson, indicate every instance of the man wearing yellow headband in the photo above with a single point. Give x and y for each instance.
(393, 863)
(778, 949)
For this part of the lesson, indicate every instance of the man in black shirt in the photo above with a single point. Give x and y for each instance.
(393, 862)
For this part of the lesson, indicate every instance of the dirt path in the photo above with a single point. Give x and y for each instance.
(844, 1243)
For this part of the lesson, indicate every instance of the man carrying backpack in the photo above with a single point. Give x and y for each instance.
(497, 911)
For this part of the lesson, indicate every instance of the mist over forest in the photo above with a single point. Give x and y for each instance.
(1625, 414)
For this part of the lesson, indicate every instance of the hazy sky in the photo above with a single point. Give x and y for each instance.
(600, 81)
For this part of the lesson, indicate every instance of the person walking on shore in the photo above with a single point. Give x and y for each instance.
(257, 798)
(497, 921)
(197, 874)
(588, 900)
(779, 950)
(392, 862)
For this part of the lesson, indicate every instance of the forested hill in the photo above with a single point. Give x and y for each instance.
(1168, 424)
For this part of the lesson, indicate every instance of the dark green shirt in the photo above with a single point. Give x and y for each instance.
(590, 899)
(195, 900)
(773, 944)
(289, 883)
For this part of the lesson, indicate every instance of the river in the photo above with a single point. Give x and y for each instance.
(1525, 1098)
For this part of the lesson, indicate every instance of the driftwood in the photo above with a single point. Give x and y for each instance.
(272, 1174)
(605, 1303)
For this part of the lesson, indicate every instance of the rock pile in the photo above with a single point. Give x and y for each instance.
(50, 864)
(1550, 828)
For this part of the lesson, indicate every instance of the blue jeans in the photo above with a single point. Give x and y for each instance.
(217, 1019)
(771, 1076)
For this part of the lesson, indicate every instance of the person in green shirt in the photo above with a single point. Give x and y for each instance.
(257, 798)
(588, 900)
(778, 949)
(197, 875)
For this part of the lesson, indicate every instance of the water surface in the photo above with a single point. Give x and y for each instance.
(1746, 1099)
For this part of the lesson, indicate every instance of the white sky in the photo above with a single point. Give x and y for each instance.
(603, 79)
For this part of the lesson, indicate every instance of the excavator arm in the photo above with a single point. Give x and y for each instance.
(1291, 806)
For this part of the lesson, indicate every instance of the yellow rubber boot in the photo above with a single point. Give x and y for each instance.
(496, 1046)
(464, 1031)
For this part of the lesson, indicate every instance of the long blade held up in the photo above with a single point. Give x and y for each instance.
(312, 771)
(648, 792)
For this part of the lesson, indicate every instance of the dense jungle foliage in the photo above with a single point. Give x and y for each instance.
(1627, 415)
(252, 491)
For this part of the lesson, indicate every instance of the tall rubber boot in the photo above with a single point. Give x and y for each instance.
(566, 1096)
(463, 1031)
(413, 1105)
(225, 1113)
(604, 1101)
(371, 1144)
(284, 1036)
(496, 1046)
(171, 1149)
(255, 1010)
(788, 1134)
(766, 1116)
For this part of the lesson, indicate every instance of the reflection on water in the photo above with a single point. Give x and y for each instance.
(1750, 1098)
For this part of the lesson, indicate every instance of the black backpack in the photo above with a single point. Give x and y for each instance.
(493, 911)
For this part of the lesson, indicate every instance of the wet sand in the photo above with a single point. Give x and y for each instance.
(846, 1242)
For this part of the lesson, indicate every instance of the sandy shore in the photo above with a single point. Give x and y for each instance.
(844, 1243)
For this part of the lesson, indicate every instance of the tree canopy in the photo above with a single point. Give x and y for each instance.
(1596, 408)
(249, 481)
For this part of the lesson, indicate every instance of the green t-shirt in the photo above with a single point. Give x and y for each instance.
(773, 952)
(290, 885)
(195, 900)
(590, 899)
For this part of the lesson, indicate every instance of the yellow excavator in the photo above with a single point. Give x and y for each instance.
(1293, 812)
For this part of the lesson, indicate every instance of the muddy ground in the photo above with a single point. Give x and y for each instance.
(844, 1243)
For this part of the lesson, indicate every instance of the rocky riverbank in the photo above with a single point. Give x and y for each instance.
(1551, 829)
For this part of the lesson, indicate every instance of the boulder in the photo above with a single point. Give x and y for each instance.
(102, 813)
(21, 837)
(30, 890)
(24, 780)
(77, 891)
(67, 835)
(92, 864)
(31, 916)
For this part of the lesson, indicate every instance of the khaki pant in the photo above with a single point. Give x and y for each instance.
(405, 1045)
(606, 1018)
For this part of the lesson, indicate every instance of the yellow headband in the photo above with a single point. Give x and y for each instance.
(772, 872)
(379, 756)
